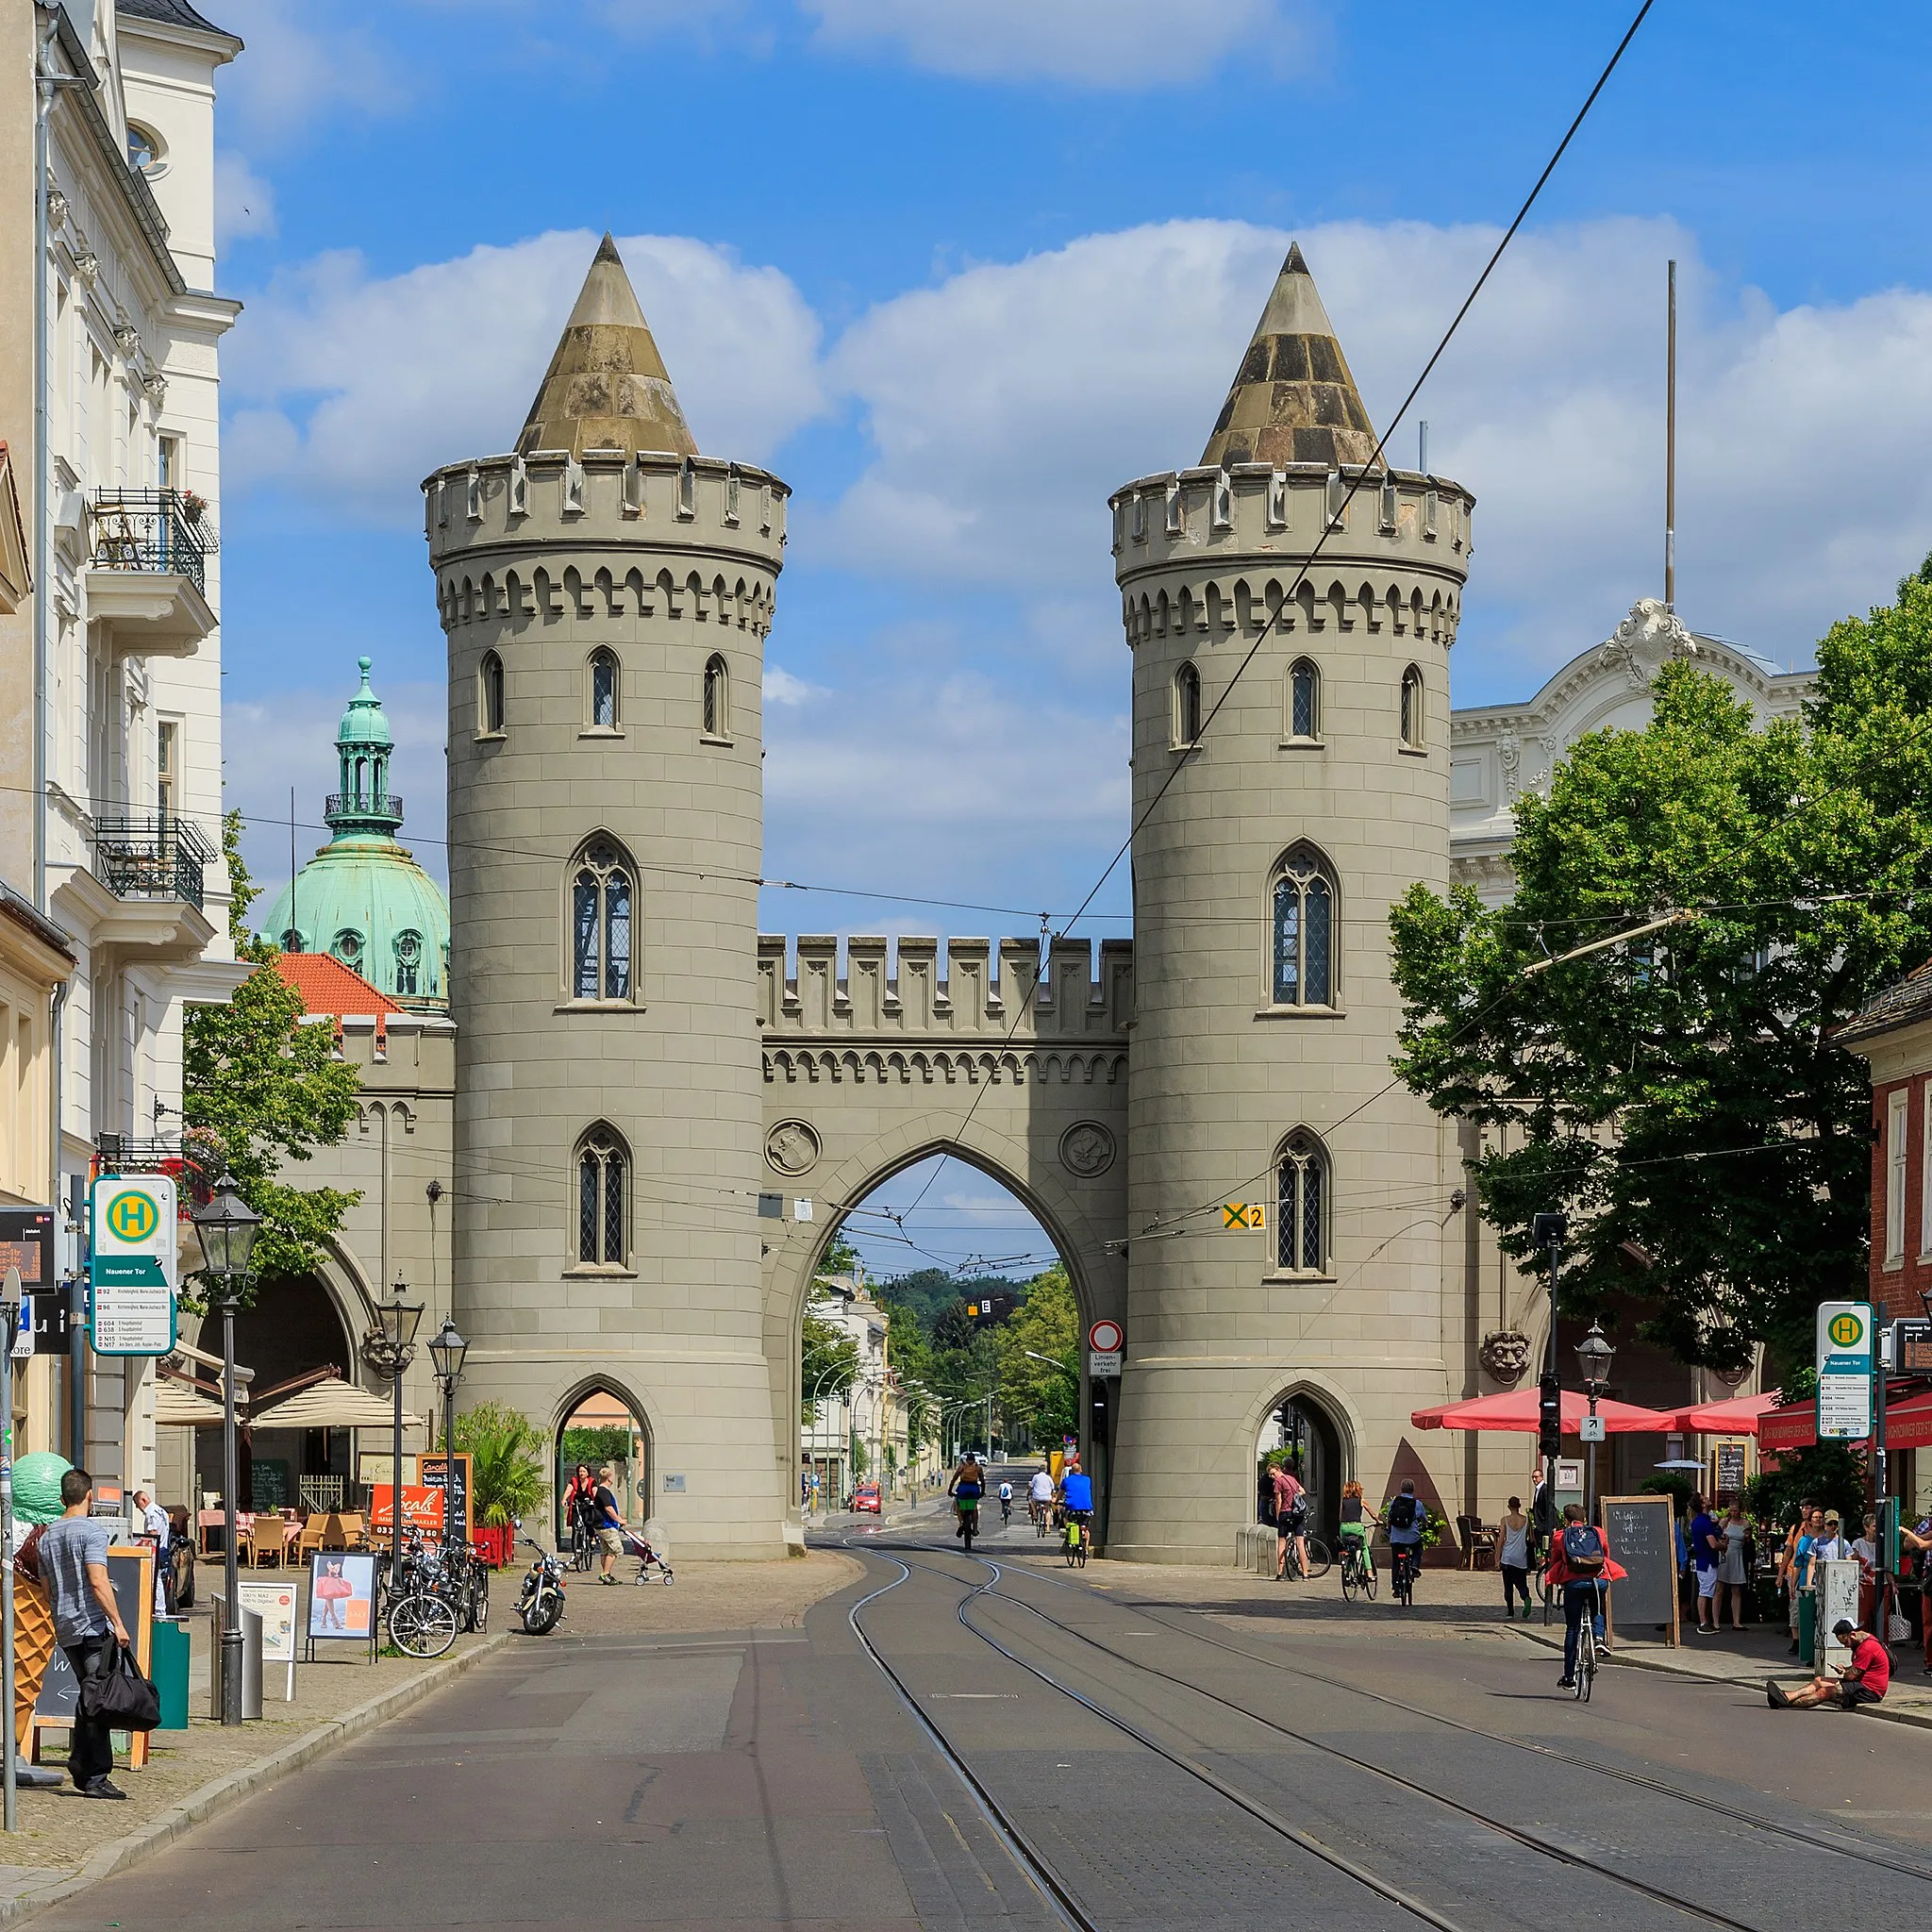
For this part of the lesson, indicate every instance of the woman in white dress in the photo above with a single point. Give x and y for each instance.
(1733, 1570)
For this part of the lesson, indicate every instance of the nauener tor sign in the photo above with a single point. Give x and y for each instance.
(1844, 1371)
(135, 1269)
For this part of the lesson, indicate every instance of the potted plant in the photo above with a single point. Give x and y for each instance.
(194, 508)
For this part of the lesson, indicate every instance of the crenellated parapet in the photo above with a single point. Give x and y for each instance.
(967, 991)
(1193, 550)
(714, 532)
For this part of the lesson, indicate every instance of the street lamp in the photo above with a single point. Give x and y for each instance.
(1593, 1356)
(447, 1351)
(389, 1352)
(227, 1227)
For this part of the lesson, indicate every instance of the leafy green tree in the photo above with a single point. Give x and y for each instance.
(1043, 1397)
(259, 1089)
(506, 1450)
(1682, 1098)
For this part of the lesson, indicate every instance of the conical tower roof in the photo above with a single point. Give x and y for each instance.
(1294, 400)
(606, 386)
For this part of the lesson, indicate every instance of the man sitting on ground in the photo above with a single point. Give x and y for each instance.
(1864, 1680)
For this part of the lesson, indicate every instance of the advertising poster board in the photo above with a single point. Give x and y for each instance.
(341, 1599)
(1641, 1535)
(274, 1604)
(1730, 1461)
(421, 1510)
(430, 1473)
(131, 1571)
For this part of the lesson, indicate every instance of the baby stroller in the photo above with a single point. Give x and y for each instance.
(637, 1544)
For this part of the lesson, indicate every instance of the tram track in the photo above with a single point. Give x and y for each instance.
(1015, 1836)
(1276, 1661)
(1629, 1884)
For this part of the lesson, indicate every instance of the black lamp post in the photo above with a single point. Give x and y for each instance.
(227, 1227)
(1594, 1354)
(389, 1352)
(447, 1351)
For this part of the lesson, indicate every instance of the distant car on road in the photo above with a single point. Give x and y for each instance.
(866, 1497)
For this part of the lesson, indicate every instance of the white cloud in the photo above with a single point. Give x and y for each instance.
(302, 62)
(781, 687)
(245, 202)
(1093, 43)
(1005, 404)
(949, 780)
(359, 385)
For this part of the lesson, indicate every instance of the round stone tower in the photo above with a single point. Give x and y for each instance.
(1265, 1016)
(606, 591)
(363, 897)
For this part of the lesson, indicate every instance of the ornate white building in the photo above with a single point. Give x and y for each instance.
(110, 672)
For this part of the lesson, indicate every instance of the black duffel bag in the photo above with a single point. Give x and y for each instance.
(117, 1694)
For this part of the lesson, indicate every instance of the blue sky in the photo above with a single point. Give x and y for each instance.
(957, 270)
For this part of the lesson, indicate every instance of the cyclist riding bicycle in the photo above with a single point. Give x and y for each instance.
(967, 1487)
(1077, 1500)
(1403, 1519)
(1006, 1502)
(1580, 1565)
(1357, 1522)
(1039, 1495)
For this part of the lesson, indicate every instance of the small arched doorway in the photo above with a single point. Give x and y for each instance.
(601, 1430)
(1299, 1431)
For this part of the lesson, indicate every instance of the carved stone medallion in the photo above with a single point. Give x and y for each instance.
(1086, 1149)
(791, 1148)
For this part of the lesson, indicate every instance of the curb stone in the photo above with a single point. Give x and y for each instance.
(201, 1805)
(1918, 1720)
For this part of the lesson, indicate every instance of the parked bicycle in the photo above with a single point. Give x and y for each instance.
(1320, 1559)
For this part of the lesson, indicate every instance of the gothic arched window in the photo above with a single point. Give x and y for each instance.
(604, 689)
(602, 1198)
(1412, 709)
(717, 713)
(1186, 705)
(1304, 700)
(1302, 1205)
(603, 892)
(490, 694)
(1304, 931)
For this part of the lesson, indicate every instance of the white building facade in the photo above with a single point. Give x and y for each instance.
(128, 766)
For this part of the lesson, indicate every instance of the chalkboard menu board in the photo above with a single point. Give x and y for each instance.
(130, 1570)
(1641, 1531)
(431, 1474)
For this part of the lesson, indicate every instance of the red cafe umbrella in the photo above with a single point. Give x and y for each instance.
(1738, 1415)
(1517, 1413)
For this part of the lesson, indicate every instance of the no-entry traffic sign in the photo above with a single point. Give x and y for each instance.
(1105, 1340)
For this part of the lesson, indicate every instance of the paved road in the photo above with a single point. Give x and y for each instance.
(775, 1778)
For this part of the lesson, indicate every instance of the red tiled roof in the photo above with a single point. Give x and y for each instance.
(326, 986)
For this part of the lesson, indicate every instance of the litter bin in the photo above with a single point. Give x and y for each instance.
(251, 1661)
(1807, 1625)
(169, 1658)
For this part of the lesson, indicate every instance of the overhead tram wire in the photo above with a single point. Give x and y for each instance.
(1329, 525)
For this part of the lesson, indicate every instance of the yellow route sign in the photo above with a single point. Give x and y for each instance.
(1244, 1214)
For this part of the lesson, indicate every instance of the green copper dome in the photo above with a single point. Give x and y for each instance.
(362, 896)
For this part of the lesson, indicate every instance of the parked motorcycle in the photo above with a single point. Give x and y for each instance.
(540, 1603)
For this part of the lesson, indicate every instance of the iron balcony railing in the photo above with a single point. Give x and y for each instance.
(151, 858)
(160, 530)
(349, 805)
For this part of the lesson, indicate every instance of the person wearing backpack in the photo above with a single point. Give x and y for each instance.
(1403, 1518)
(1580, 1565)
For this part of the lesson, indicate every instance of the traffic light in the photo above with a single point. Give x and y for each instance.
(989, 1310)
(1549, 1416)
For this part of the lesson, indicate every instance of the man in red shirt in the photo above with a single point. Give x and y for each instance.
(1290, 1522)
(1864, 1680)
